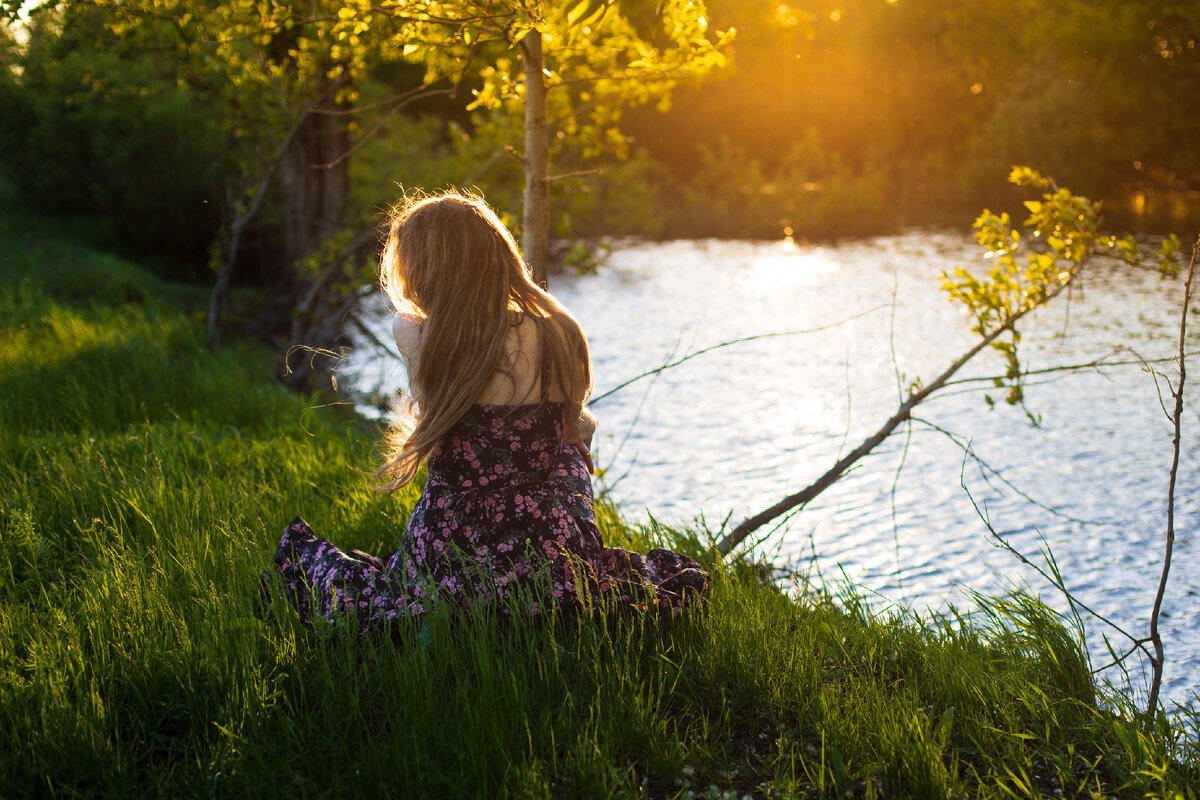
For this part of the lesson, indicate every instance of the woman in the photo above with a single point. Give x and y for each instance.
(499, 372)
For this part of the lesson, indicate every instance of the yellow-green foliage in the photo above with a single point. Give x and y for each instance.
(1061, 237)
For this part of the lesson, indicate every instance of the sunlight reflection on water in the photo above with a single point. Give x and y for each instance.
(734, 430)
(789, 266)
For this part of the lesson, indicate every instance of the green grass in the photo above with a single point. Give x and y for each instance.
(144, 481)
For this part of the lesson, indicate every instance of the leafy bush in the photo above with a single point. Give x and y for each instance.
(623, 199)
(1054, 121)
(811, 192)
(91, 131)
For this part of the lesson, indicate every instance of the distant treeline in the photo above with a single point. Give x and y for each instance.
(849, 115)
(835, 118)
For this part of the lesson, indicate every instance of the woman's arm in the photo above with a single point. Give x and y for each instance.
(585, 426)
(579, 432)
(406, 329)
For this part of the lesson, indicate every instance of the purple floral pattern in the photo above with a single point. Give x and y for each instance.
(507, 512)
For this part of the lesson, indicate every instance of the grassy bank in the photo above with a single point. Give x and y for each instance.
(144, 481)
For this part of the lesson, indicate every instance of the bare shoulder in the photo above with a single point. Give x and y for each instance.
(523, 336)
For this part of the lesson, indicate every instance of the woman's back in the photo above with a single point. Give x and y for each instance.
(516, 380)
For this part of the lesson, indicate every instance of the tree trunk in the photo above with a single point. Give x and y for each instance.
(220, 293)
(315, 180)
(536, 235)
(237, 226)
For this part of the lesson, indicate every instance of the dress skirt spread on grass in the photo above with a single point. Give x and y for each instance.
(507, 514)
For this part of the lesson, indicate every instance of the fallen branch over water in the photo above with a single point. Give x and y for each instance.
(1065, 228)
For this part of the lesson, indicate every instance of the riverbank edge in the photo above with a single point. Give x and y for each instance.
(146, 479)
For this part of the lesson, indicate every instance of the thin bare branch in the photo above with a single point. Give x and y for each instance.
(306, 304)
(1156, 661)
(1121, 658)
(1096, 364)
(371, 337)
(892, 340)
(484, 167)
(907, 429)
(895, 484)
(985, 469)
(216, 305)
(637, 414)
(1056, 582)
(366, 137)
(466, 67)
(403, 97)
(849, 405)
(702, 351)
(1155, 375)
(577, 174)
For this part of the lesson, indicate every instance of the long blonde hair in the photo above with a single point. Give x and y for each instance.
(450, 259)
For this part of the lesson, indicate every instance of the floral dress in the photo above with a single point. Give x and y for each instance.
(506, 516)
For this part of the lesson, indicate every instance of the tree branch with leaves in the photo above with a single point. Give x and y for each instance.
(551, 73)
(1030, 266)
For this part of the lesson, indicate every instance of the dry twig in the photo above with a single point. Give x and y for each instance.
(1156, 661)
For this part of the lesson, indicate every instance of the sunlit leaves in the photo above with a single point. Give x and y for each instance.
(1025, 176)
(1169, 256)
(268, 60)
(597, 59)
(1060, 236)
(267, 67)
(579, 14)
(9, 9)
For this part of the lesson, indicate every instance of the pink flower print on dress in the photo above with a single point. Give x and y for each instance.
(504, 497)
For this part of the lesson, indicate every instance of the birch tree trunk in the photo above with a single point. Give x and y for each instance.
(536, 227)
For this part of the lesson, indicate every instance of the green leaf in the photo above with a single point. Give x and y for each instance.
(581, 12)
(644, 15)
(1168, 256)
(1025, 176)
(942, 732)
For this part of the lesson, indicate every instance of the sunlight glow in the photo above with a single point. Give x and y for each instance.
(1138, 203)
(790, 17)
(788, 266)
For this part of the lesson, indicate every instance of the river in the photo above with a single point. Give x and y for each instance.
(731, 431)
